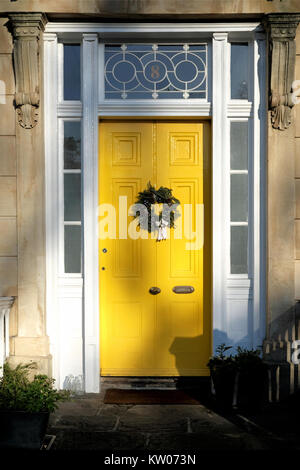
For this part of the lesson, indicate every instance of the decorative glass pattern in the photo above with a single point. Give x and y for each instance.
(155, 71)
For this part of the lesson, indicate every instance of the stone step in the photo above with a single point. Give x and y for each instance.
(159, 383)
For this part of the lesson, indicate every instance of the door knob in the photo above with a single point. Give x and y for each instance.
(154, 290)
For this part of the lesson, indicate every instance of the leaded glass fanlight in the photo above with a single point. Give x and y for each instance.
(155, 71)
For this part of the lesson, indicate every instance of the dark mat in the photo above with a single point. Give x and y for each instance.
(149, 397)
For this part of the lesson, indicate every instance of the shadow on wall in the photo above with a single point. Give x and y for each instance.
(284, 378)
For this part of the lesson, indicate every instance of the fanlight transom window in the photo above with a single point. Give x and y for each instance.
(155, 71)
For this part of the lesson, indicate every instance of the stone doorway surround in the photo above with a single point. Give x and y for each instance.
(30, 339)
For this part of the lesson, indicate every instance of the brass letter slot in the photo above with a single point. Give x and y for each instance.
(183, 289)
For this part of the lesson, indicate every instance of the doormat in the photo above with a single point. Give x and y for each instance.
(149, 397)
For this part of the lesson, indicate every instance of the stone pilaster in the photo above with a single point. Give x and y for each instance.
(282, 312)
(281, 30)
(30, 341)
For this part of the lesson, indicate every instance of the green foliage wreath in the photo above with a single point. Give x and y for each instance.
(151, 196)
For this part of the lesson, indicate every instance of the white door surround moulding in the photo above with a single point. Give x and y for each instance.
(145, 30)
(155, 109)
(6, 304)
(52, 199)
(91, 366)
(219, 100)
(227, 289)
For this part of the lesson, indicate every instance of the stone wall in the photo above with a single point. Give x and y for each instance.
(152, 8)
(283, 241)
(22, 192)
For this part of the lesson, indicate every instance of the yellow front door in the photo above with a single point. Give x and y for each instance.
(167, 334)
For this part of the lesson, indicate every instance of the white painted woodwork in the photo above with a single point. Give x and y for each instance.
(90, 206)
(5, 307)
(238, 300)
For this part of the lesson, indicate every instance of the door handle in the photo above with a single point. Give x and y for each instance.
(154, 290)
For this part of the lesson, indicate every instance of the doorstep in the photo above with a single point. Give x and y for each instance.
(160, 383)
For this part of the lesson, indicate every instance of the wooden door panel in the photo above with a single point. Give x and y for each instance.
(168, 334)
(180, 317)
(126, 307)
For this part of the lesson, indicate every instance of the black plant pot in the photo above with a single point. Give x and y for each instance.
(224, 383)
(22, 430)
(252, 389)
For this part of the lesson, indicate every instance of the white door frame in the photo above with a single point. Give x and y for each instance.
(73, 299)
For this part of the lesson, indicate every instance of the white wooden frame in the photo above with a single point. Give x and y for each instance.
(173, 107)
(228, 290)
(5, 307)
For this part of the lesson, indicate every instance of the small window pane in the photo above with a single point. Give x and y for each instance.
(72, 72)
(72, 194)
(72, 249)
(239, 71)
(239, 145)
(239, 198)
(239, 250)
(72, 145)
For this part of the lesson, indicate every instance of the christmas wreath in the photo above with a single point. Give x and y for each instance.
(157, 221)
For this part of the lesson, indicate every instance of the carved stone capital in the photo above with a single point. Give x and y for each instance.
(281, 30)
(6, 303)
(27, 28)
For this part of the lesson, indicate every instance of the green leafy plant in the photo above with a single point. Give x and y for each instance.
(242, 375)
(221, 359)
(247, 359)
(19, 393)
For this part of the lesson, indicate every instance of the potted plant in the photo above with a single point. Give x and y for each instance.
(251, 378)
(25, 406)
(223, 374)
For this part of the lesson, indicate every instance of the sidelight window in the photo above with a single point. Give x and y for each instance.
(72, 195)
(239, 197)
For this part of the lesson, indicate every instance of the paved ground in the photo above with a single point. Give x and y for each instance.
(85, 423)
(281, 419)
